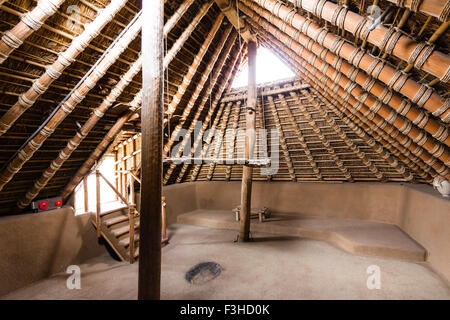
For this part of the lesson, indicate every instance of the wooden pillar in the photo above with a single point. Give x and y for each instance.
(250, 117)
(86, 194)
(152, 139)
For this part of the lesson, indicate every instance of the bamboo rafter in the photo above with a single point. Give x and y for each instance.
(399, 167)
(193, 100)
(226, 83)
(230, 137)
(329, 47)
(29, 23)
(378, 123)
(68, 106)
(301, 139)
(218, 146)
(327, 144)
(196, 95)
(366, 103)
(55, 70)
(97, 153)
(193, 68)
(399, 45)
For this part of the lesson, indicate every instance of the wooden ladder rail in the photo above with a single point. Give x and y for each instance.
(130, 173)
(131, 210)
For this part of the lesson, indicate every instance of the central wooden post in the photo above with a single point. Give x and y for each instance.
(152, 141)
(250, 116)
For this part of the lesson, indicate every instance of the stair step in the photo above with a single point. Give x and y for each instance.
(115, 220)
(112, 211)
(123, 230)
(126, 241)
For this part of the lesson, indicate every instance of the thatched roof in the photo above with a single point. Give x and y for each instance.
(333, 141)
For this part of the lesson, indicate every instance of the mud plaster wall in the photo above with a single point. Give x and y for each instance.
(419, 210)
(35, 246)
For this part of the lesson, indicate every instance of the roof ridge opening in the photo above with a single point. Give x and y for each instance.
(269, 68)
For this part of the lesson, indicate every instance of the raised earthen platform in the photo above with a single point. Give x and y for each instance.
(355, 236)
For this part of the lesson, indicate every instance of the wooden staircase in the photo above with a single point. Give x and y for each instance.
(118, 222)
(115, 229)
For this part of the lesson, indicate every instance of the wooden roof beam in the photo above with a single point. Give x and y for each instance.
(376, 121)
(438, 9)
(401, 46)
(73, 143)
(225, 85)
(176, 99)
(75, 97)
(306, 33)
(350, 90)
(190, 105)
(97, 153)
(229, 9)
(55, 70)
(30, 22)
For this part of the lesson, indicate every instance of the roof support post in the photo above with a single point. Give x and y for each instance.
(152, 139)
(250, 121)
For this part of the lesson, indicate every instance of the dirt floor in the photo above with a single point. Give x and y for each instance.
(270, 267)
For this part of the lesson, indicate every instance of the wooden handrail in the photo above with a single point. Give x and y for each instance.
(98, 221)
(129, 200)
(114, 189)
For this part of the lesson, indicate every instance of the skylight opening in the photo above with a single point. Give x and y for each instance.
(269, 68)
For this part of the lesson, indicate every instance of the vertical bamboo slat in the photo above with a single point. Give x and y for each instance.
(282, 139)
(196, 94)
(225, 85)
(301, 139)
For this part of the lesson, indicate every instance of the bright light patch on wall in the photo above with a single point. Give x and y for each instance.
(269, 68)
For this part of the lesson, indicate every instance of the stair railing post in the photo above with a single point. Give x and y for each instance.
(86, 194)
(131, 218)
(98, 222)
(164, 229)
